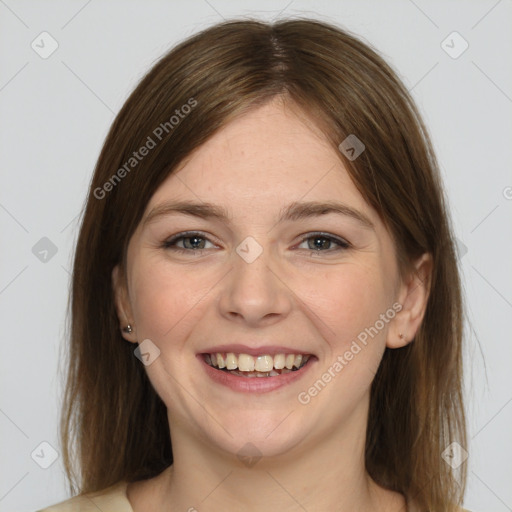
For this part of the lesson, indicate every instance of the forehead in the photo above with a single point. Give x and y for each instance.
(266, 158)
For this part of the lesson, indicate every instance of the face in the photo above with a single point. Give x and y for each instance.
(274, 276)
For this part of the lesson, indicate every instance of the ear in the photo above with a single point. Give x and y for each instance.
(122, 303)
(413, 296)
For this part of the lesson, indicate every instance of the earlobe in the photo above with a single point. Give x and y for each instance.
(397, 339)
(122, 304)
(414, 298)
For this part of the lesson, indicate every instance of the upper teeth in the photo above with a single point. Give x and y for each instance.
(248, 363)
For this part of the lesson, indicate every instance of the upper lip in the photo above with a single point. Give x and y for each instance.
(270, 350)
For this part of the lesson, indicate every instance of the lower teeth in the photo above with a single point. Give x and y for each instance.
(271, 373)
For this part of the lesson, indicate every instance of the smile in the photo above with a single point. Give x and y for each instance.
(245, 365)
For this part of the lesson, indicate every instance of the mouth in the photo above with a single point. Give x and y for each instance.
(254, 366)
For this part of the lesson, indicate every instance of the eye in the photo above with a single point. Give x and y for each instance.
(193, 241)
(323, 241)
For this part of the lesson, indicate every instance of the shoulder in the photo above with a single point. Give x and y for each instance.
(113, 499)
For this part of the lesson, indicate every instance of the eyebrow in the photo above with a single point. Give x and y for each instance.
(293, 212)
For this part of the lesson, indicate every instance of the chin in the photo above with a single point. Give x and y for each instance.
(258, 434)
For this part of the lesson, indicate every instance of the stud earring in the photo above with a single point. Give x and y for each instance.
(401, 336)
(128, 329)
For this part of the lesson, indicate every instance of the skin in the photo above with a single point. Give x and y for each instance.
(292, 295)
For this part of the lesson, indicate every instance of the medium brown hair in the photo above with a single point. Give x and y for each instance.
(114, 425)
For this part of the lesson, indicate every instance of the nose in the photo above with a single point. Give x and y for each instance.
(254, 293)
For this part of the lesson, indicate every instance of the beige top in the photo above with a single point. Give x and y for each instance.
(111, 499)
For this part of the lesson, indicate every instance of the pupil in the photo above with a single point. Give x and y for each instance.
(323, 242)
(194, 240)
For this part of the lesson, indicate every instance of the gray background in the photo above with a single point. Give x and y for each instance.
(55, 113)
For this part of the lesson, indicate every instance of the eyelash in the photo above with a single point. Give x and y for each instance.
(170, 243)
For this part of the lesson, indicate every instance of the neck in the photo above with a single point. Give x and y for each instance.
(322, 474)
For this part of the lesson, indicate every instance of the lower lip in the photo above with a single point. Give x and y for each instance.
(255, 384)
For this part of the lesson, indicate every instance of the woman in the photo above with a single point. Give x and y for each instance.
(266, 305)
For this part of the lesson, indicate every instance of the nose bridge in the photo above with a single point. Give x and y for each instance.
(253, 290)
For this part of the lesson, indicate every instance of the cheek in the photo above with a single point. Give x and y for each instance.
(165, 302)
(347, 302)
